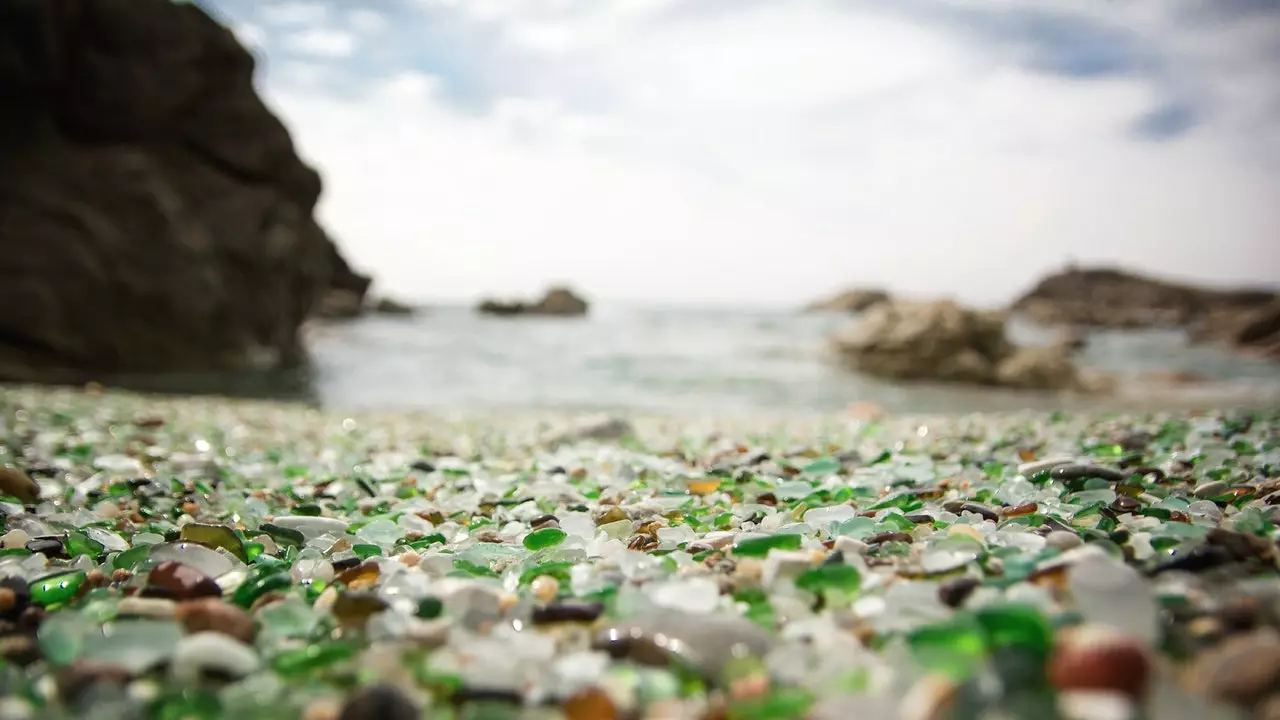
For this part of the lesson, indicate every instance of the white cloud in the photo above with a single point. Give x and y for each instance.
(293, 13)
(368, 21)
(322, 42)
(773, 152)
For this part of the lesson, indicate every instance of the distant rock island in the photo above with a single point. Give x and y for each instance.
(557, 301)
(1247, 319)
(156, 217)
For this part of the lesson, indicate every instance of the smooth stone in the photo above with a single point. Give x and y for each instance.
(17, 483)
(179, 581)
(15, 538)
(1076, 472)
(1036, 467)
(207, 561)
(1095, 658)
(1243, 669)
(210, 615)
(785, 564)
(707, 642)
(312, 526)
(1210, 489)
(155, 608)
(211, 653)
(1096, 705)
(1063, 540)
(568, 611)
(379, 702)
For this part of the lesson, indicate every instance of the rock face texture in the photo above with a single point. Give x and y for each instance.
(946, 342)
(849, 301)
(1254, 332)
(154, 216)
(557, 301)
(1112, 298)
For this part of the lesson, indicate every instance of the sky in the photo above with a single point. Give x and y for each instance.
(767, 152)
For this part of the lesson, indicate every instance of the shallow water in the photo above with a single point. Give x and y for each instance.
(691, 360)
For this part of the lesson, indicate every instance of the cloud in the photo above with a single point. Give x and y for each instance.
(758, 151)
(323, 42)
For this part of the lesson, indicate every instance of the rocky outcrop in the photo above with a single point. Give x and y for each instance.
(946, 342)
(849, 301)
(1256, 332)
(557, 301)
(1113, 298)
(154, 216)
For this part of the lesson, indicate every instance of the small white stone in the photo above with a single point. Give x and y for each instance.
(850, 547)
(1095, 705)
(1063, 540)
(157, 608)
(14, 539)
(788, 564)
(312, 526)
(211, 652)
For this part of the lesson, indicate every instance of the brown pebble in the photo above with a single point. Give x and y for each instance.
(17, 483)
(544, 521)
(1268, 709)
(1026, 508)
(488, 536)
(379, 702)
(353, 610)
(120, 575)
(1243, 669)
(1089, 658)
(360, 577)
(8, 600)
(177, 581)
(214, 615)
(590, 704)
(20, 649)
(889, 537)
(955, 591)
(568, 611)
(82, 674)
(642, 543)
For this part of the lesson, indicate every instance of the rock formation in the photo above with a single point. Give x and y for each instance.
(849, 301)
(1112, 298)
(557, 301)
(154, 216)
(946, 342)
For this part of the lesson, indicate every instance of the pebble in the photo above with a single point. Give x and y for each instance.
(1095, 705)
(1063, 540)
(212, 615)
(707, 642)
(157, 608)
(1099, 659)
(1210, 489)
(1078, 472)
(955, 591)
(15, 538)
(178, 581)
(206, 653)
(567, 611)
(1036, 467)
(310, 525)
(545, 588)
(1243, 668)
(17, 483)
(379, 702)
